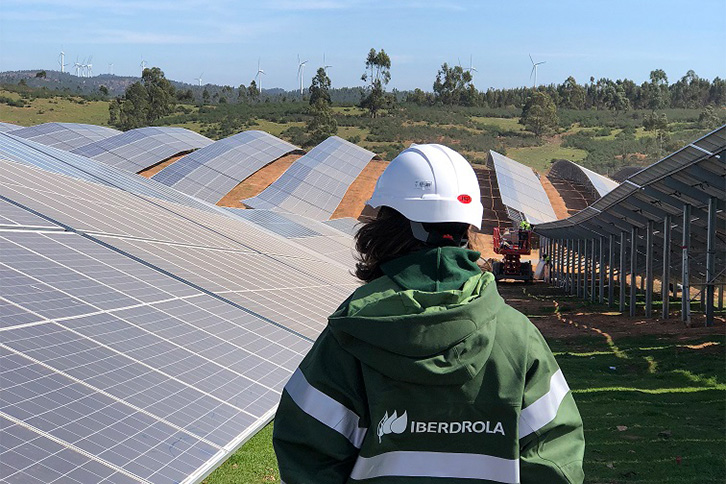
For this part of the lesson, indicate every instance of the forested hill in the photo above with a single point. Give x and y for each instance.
(451, 86)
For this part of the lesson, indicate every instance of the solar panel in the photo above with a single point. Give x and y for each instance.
(521, 190)
(62, 162)
(347, 225)
(149, 342)
(315, 184)
(65, 136)
(8, 127)
(572, 171)
(211, 172)
(314, 235)
(140, 148)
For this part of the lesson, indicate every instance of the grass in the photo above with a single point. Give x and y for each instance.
(48, 110)
(505, 124)
(653, 412)
(539, 157)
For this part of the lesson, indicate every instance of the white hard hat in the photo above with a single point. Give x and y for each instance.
(430, 184)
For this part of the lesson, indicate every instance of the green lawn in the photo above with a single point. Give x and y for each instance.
(508, 124)
(653, 412)
(539, 157)
(47, 110)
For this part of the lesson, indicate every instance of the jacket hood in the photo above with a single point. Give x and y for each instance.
(428, 320)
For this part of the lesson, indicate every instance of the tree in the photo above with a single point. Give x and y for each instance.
(205, 96)
(252, 91)
(378, 74)
(322, 125)
(572, 94)
(709, 118)
(657, 123)
(453, 85)
(539, 114)
(143, 102)
(41, 75)
(103, 90)
(656, 92)
(320, 88)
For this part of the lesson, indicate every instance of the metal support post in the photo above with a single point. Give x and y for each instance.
(571, 266)
(666, 277)
(649, 270)
(611, 269)
(710, 259)
(586, 272)
(685, 267)
(593, 266)
(578, 288)
(720, 297)
(621, 274)
(633, 266)
(601, 272)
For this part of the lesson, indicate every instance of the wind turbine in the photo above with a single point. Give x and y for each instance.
(84, 67)
(325, 66)
(89, 67)
(301, 72)
(257, 76)
(534, 70)
(77, 66)
(199, 79)
(143, 64)
(110, 68)
(62, 61)
(471, 65)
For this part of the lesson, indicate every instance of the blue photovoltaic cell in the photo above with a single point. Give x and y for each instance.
(8, 127)
(66, 136)
(140, 148)
(211, 172)
(521, 190)
(315, 184)
(275, 222)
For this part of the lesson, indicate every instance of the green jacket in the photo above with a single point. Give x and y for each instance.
(426, 375)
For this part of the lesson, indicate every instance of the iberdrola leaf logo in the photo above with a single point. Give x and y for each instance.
(392, 424)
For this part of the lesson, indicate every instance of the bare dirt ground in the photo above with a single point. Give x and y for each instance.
(360, 191)
(153, 170)
(556, 199)
(558, 315)
(254, 184)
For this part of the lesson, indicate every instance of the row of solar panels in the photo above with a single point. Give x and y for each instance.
(313, 186)
(146, 334)
(523, 195)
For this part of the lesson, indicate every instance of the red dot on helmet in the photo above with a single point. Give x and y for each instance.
(464, 198)
(447, 236)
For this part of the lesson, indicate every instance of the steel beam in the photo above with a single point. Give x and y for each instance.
(665, 278)
(601, 272)
(710, 259)
(586, 273)
(621, 274)
(578, 288)
(685, 267)
(649, 270)
(633, 267)
(611, 270)
(592, 270)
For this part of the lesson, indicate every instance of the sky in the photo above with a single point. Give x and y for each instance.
(223, 40)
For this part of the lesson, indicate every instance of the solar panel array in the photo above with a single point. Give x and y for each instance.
(572, 171)
(7, 127)
(314, 235)
(140, 148)
(66, 136)
(65, 163)
(315, 184)
(142, 340)
(211, 172)
(521, 190)
(347, 225)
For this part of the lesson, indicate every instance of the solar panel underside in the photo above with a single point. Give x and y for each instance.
(315, 184)
(521, 190)
(150, 342)
(602, 184)
(211, 172)
(140, 148)
(66, 136)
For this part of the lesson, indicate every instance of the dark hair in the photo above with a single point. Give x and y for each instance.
(387, 237)
(381, 239)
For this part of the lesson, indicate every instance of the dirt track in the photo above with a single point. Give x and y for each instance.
(254, 184)
(360, 190)
(153, 170)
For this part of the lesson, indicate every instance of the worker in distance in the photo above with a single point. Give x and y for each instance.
(424, 374)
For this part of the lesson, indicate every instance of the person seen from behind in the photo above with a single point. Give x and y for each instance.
(424, 374)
